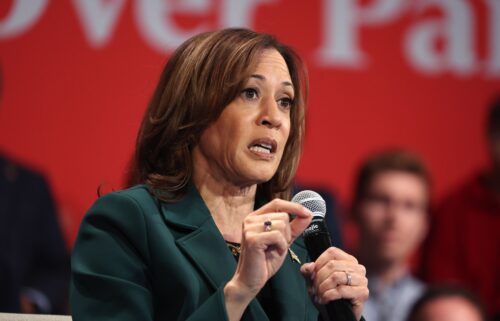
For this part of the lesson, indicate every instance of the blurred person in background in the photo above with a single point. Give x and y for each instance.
(34, 263)
(390, 207)
(464, 240)
(448, 303)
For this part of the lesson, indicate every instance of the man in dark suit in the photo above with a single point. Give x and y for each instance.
(34, 263)
(33, 259)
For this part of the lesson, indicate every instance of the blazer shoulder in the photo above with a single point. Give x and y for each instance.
(139, 193)
(117, 217)
(134, 198)
(129, 211)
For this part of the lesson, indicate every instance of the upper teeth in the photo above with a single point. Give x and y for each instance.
(262, 148)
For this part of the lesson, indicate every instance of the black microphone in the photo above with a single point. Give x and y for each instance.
(317, 240)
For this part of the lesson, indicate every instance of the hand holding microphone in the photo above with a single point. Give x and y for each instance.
(337, 279)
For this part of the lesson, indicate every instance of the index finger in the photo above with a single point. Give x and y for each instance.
(302, 216)
(333, 253)
(278, 205)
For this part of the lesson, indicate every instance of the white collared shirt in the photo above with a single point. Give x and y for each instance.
(392, 303)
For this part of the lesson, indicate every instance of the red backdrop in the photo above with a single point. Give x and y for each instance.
(383, 73)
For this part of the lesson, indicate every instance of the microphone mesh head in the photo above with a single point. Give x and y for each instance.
(312, 201)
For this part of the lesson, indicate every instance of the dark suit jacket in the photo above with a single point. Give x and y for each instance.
(139, 259)
(32, 250)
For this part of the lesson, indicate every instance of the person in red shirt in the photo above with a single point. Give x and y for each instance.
(464, 241)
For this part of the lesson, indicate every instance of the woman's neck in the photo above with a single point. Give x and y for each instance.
(229, 204)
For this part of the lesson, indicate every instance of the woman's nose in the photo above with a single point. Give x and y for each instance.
(271, 115)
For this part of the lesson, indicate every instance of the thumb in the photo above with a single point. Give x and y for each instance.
(307, 270)
(300, 223)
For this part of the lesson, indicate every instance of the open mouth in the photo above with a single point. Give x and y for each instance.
(263, 146)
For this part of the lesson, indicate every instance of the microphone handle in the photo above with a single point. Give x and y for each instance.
(317, 240)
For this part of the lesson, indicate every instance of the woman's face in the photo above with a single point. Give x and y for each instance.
(245, 144)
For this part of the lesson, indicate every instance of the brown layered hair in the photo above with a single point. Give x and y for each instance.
(201, 78)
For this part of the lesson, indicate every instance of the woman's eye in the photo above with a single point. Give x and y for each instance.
(285, 102)
(250, 93)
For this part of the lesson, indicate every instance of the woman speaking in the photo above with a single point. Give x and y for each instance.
(207, 235)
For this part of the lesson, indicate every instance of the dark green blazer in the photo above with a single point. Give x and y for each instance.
(139, 259)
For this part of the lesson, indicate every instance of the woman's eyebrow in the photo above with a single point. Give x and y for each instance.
(261, 77)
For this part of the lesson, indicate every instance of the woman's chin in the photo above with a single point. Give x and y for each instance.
(259, 178)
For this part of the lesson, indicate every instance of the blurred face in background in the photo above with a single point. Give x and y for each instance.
(449, 309)
(392, 216)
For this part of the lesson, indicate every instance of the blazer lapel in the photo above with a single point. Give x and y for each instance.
(208, 251)
(290, 290)
(199, 237)
(202, 242)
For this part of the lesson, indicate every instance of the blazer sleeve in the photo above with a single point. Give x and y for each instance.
(110, 263)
